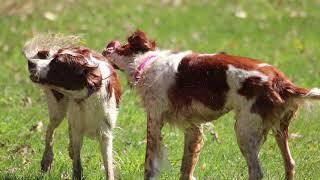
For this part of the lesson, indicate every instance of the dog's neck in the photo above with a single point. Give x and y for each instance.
(141, 62)
(146, 60)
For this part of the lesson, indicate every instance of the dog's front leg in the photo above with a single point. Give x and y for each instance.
(76, 141)
(57, 111)
(106, 151)
(153, 159)
(193, 138)
(70, 149)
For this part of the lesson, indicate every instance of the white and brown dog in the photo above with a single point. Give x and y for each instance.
(82, 83)
(188, 88)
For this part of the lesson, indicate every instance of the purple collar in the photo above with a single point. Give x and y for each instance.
(140, 68)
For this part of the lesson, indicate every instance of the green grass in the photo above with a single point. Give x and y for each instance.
(269, 32)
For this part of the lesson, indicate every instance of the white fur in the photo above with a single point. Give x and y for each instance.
(263, 65)
(236, 76)
(92, 60)
(104, 66)
(162, 162)
(92, 113)
(41, 67)
(314, 92)
(157, 78)
(52, 42)
(207, 54)
(249, 132)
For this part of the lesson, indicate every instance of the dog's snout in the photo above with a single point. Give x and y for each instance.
(32, 70)
(31, 65)
(105, 52)
(110, 48)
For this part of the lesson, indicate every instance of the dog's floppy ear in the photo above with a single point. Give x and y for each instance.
(78, 62)
(139, 42)
(93, 78)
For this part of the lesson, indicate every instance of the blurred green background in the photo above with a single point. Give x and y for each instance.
(283, 33)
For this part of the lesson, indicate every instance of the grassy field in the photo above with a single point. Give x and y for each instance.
(283, 33)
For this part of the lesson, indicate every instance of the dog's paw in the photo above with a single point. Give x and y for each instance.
(46, 161)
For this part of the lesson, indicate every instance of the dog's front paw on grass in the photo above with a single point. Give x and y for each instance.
(46, 161)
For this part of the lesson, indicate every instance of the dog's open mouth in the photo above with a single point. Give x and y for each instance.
(34, 78)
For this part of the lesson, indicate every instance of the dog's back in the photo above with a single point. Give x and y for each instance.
(222, 77)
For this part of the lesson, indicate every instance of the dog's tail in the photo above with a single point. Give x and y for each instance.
(48, 42)
(312, 94)
(303, 94)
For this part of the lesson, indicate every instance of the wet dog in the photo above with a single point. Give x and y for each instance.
(81, 83)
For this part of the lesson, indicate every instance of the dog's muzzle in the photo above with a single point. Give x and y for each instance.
(31, 66)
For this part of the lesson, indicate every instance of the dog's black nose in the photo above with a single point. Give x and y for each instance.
(31, 65)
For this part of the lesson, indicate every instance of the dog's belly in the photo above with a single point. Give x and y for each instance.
(197, 113)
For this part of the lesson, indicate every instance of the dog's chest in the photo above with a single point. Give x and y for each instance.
(87, 116)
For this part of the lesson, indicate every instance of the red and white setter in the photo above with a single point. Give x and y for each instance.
(82, 83)
(188, 89)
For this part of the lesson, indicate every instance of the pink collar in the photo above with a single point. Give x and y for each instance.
(140, 68)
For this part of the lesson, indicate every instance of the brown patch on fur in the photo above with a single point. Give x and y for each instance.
(266, 97)
(200, 78)
(57, 95)
(114, 86)
(203, 78)
(270, 94)
(72, 71)
(138, 42)
(93, 78)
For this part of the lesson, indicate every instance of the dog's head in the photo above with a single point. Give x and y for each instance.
(67, 71)
(122, 55)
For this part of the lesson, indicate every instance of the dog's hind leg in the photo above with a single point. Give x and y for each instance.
(77, 140)
(250, 135)
(193, 138)
(57, 110)
(106, 151)
(282, 140)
